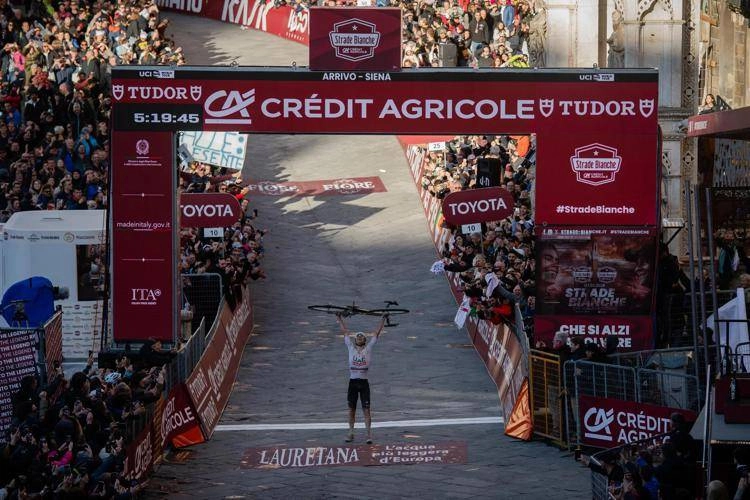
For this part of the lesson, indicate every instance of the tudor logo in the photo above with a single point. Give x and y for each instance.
(195, 92)
(595, 164)
(231, 108)
(646, 107)
(596, 420)
(546, 107)
(118, 91)
(354, 39)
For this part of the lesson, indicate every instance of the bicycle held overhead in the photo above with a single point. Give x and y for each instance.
(354, 309)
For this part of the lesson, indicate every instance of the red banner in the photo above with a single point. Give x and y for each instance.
(276, 457)
(595, 270)
(356, 185)
(477, 205)
(143, 177)
(352, 39)
(210, 384)
(597, 140)
(179, 420)
(283, 21)
(209, 210)
(606, 423)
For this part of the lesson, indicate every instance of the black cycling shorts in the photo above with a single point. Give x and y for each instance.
(358, 388)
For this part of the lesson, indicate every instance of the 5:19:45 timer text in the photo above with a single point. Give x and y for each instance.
(166, 118)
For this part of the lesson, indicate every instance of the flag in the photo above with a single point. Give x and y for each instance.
(463, 312)
(438, 267)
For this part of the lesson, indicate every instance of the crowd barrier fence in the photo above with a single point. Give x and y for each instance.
(546, 396)
(204, 293)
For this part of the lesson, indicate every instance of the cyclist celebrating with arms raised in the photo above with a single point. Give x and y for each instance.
(360, 357)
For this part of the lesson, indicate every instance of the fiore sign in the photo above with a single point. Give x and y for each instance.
(355, 39)
(477, 205)
(607, 423)
(209, 209)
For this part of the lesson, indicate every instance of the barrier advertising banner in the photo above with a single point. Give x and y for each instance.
(607, 423)
(283, 21)
(596, 133)
(497, 345)
(17, 360)
(355, 39)
(355, 185)
(210, 384)
(143, 178)
(179, 420)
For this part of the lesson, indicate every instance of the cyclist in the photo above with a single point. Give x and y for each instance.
(360, 357)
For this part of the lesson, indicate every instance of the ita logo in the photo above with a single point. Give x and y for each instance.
(354, 39)
(595, 164)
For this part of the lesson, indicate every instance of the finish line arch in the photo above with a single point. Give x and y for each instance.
(597, 146)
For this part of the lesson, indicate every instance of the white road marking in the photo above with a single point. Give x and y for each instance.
(360, 425)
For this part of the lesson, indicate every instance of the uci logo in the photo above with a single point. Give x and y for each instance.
(229, 107)
(596, 420)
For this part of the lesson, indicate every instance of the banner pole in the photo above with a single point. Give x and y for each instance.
(714, 284)
(693, 303)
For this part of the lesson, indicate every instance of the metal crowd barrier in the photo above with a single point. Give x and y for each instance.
(182, 366)
(545, 393)
(204, 292)
(643, 385)
(663, 388)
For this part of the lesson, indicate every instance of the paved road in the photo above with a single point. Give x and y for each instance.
(338, 249)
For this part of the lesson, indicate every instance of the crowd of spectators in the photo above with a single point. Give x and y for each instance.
(477, 33)
(55, 72)
(480, 33)
(657, 468)
(236, 256)
(69, 440)
(666, 467)
(497, 266)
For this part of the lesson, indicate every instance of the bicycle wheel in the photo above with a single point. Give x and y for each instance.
(328, 308)
(380, 312)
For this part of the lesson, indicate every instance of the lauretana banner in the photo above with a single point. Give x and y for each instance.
(607, 423)
(210, 384)
(143, 201)
(596, 140)
(261, 15)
